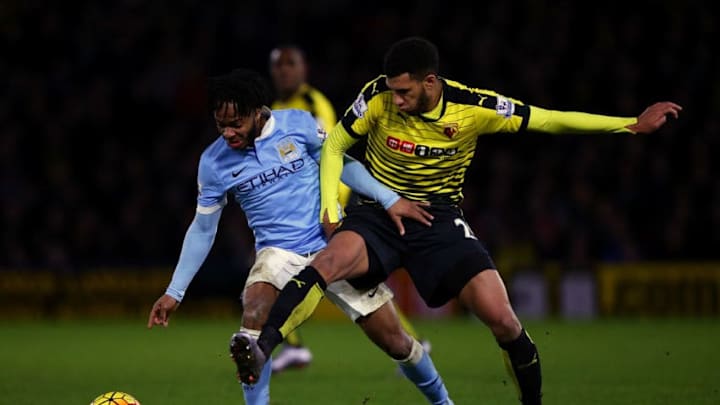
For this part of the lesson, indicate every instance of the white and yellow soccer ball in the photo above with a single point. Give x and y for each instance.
(115, 398)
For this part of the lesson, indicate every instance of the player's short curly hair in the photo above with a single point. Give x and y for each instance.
(414, 55)
(244, 88)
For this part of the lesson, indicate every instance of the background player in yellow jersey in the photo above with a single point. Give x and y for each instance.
(289, 69)
(422, 132)
(289, 72)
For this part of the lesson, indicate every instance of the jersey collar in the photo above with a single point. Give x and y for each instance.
(268, 128)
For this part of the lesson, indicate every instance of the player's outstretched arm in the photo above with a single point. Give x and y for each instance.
(655, 117)
(564, 122)
(161, 310)
(199, 239)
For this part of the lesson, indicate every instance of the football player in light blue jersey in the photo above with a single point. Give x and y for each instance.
(268, 161)
(270, 181)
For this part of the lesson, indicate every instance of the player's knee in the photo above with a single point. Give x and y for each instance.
(255, 313)
(328, 265)
(505, 326)
(397, 344)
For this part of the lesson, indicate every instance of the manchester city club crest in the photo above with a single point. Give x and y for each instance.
(288, 150)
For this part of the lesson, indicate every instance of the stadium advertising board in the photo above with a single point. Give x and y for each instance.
(659, 289)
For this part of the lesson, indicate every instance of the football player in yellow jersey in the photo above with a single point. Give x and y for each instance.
(288, 70)
(421, 132)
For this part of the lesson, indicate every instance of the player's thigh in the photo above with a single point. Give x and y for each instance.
(370, 246)
(275, 266)
(272, 269)
(443, 259)
(485, 296)
(344, 257)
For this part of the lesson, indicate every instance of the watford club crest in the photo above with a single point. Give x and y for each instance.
(451, 129)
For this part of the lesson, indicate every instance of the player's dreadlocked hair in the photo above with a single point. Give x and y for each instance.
(244, 88)
(414, 55)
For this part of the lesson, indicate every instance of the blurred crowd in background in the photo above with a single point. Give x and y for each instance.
(103, 119)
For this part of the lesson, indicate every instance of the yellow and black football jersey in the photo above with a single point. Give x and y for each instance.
(425, 157)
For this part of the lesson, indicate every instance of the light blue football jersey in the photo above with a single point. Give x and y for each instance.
(276, 182)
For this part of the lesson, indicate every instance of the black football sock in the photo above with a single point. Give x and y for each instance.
(296, 302)
(523, 362)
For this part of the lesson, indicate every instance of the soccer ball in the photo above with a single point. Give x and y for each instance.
(115, 398)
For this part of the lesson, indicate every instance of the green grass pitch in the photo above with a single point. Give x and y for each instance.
(634, 361)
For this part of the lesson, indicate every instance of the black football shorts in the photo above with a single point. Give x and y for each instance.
(440, 259)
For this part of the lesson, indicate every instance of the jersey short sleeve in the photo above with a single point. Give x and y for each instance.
(314, 135)
(315, 141)
(497, 113)
(363, 112)
(211, 191)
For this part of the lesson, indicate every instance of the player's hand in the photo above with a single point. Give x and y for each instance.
(328, 227)
(654, 117)
(405, 208)
(161, 311)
